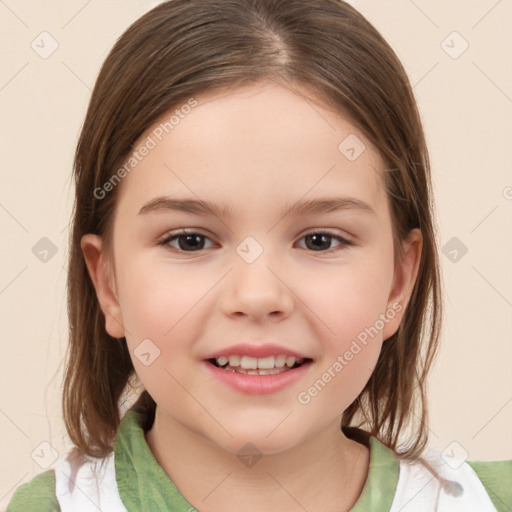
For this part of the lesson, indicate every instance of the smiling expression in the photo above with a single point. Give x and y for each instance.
(287, 253)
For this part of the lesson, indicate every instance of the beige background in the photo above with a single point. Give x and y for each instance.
(466, 105)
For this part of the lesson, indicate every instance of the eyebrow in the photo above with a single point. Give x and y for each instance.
(303, 207)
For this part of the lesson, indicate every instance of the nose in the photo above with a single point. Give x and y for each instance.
(257, 290)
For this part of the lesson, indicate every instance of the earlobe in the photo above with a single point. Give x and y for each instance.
(95, 259)
(403, 282)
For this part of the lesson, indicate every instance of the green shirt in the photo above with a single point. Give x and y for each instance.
(143, 485)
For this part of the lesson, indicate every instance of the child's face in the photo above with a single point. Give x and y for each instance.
(255, 278)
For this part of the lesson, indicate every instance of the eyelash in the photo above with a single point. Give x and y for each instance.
(177, 234)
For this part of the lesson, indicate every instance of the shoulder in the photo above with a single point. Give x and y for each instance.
(77, 483)
(87, 484)
(439, 482)
(496, 477)
(37, 495)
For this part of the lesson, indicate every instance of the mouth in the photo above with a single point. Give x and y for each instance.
(270, 365)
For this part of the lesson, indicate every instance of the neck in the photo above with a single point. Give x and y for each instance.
(324, 473)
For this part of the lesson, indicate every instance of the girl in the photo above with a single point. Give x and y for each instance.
(253, 260)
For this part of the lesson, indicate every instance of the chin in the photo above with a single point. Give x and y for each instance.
(264, 439)
(256, 446)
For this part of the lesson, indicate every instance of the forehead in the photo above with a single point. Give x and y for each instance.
(260, 142)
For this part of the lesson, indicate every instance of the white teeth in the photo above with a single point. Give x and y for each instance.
(280, 361)
(234, 360)
(249, 363)
(222, 360)
(266, 363)
(253, 364)
(290, 361)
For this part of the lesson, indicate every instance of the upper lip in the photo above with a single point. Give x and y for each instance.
(254, 350)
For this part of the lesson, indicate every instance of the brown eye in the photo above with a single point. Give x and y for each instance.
(321, 241)
(185, 241)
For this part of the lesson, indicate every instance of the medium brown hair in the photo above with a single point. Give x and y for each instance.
(183, 48)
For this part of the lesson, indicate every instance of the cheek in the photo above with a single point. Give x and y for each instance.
(155, 298)
(355, 365)
(157, 311)
(339, 383)
(349, 307)
(157, 307)
(348, 357)
(349, 299)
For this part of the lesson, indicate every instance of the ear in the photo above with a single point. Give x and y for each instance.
(403, 282)
(96, 261)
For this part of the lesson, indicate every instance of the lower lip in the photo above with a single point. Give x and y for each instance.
(258, 384)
